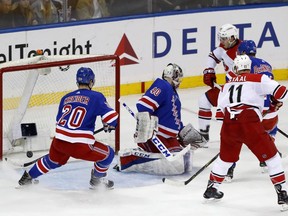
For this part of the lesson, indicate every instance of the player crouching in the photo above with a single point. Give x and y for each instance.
(159, 122)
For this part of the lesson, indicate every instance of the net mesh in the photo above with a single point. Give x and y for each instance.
(32, 96)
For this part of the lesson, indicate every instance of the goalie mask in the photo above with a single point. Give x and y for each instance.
(227, 35)
(85, 76)
(173, 74)
(241, 62)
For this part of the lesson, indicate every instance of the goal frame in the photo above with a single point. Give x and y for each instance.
(58, 63)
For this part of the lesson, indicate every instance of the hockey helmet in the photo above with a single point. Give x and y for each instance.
(247, 47)
(241, 62)
(173, 73)
(85, 75)
(226, 33)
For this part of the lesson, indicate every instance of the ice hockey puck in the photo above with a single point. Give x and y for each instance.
(29, 154)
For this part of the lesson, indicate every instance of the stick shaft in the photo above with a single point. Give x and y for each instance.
(174, 182)
(282, 132)
(157, 142)
(35, 160)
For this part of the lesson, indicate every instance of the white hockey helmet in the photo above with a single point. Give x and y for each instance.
(241, 62)
(227, 31)
(173, 74)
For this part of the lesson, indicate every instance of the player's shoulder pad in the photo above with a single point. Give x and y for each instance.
(162, 84)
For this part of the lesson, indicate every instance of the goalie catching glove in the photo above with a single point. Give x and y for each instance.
(146, 125)
(189, 135)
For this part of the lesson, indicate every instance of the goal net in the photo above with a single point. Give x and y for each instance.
(31, 90)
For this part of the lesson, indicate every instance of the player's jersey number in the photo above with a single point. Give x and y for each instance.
(75, 116)
(235, 93)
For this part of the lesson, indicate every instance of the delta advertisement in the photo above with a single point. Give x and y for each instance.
(146, 44)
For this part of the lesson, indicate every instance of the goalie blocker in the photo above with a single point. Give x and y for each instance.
(146, 125)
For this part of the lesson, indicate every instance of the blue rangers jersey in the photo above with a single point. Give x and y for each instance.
(259, 66)
(162, 100)
(77, 115)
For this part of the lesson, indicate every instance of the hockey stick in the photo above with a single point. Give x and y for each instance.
(174, 182)
(34, 161)
(216, 85)
(282, 132)
(158, 143)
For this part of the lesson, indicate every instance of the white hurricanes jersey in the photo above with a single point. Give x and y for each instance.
(226, 56)
(247, 91)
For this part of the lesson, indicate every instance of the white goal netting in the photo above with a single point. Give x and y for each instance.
(32, 89)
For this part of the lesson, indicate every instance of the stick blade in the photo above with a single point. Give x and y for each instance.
(173, 182)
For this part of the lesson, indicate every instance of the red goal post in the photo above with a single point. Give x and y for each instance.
(31, 90)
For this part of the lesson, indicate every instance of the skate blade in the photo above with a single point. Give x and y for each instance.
(264, 169)
(34, 182)
(210, 201)
(227, 179)
(284, 207)
(100, 188)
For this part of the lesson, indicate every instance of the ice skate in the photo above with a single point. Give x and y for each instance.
(26, 180)
(212, 193)
(97, 183)
(230, 173)
(282, 197)
(205, 133)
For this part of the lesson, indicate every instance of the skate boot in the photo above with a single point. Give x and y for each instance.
(26, 180)
(263, 167)
(212, 193)
(282, 197)
(98, 182)
(230, 173)
(205, 133)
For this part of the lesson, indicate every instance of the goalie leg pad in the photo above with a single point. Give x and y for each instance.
(146, 125)
(136, 160)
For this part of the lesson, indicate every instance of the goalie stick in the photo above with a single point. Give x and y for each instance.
(15, 163)
(175, 182)
(157, 142)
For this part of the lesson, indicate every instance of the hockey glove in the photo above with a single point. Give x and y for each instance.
(275, 104)
(146, 125)
(209, 77)
(108, 128)
(189, 135)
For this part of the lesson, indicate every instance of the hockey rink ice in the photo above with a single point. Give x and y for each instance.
(65, 191)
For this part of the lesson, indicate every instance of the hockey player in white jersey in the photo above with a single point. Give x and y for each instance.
(240, 102)
(225, 54)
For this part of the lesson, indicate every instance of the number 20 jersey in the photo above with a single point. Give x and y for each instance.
(77, 115)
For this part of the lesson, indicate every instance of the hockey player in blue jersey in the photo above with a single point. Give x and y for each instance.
(75, 124)
(160, 109)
